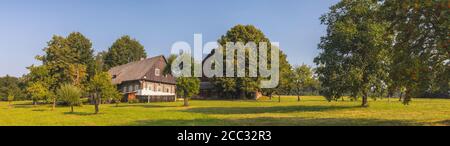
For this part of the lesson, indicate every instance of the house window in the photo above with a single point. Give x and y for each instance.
(130, 88)
(136, 87)
(157, 72)
(124, 89)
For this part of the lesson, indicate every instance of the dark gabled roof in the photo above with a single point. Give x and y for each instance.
(134, 70)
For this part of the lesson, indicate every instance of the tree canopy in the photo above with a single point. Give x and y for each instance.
(354, 55)
(374, 47)
(8, 85)
(242, 87)
(123, 51)
(302, 80)
(421, 52)
(102, 88)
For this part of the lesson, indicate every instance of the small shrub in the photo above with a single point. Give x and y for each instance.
(70, 95)
(131, 101)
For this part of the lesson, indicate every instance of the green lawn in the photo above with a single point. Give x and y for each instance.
(310, 111)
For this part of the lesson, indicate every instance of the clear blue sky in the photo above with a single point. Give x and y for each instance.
(27, 25)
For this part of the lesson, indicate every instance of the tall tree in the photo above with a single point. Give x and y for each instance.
(186, 86)
(57, 59)
(355, 45)
(302, 80)
(242, 87)
(101, 87)
(82, 46)
(421, 56)
(285, 73)
(99, 62)
(39, 81)
(11, 96)
(123, 51)
(66, 61)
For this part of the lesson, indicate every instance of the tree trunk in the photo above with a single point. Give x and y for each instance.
(96, 102)
(186, 102)
(407, 97)
(365, 103)
(298, 98)
(96, 108)
(279, 98)
(401, 96)
(242, 95)
(54, 104)
(270, 97)
(71, 108)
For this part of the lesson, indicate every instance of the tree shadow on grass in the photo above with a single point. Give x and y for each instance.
(258, 110)
(277, 121)
(24, 106)
(146, 105)
(80, 113)
(444, 122)
(39, 110)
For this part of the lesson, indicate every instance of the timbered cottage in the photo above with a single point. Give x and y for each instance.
(144, 80)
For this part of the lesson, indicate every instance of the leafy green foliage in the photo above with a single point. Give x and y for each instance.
(123, 51)
(420, 54)
(385, 47)
(303, 80)
(11, 97)
(38, 91)
(68, 60)
(82, 46)
(242, 87)
(186, 86)
(354, 51)
(39, 82)
(102, 88)
(9, 85)
(57, 59)
(285, 80)
(70, 94)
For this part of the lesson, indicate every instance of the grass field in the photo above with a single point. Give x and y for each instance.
(310, 111)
